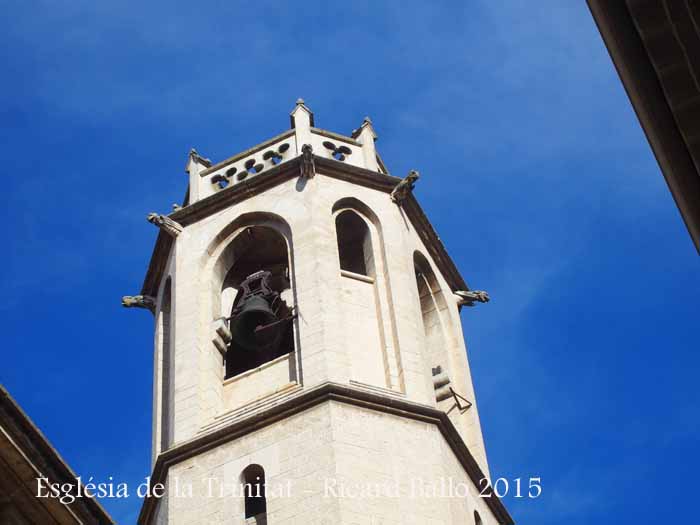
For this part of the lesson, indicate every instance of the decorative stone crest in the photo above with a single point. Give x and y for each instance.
(139, 301)
(165, 223)
(404, 188)
(308, 169)
(471, 297)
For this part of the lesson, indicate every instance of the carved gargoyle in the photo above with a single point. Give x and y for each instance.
(307, 162)
(404, 188)
(471, 297)
(139, 301)
(165, 223)
(198, 158)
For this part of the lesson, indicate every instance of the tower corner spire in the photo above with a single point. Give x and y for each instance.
(302, 119)
(366, 136)
(301, 114)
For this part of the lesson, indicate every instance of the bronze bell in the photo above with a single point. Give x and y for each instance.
(254, 310)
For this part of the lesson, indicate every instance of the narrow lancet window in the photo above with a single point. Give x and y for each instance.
(254, 494)
(166, 366)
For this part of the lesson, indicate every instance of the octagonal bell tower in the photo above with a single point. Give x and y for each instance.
(308, 343)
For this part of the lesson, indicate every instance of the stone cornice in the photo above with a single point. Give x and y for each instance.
(336, 136)
(310, 398)
(350, 173)
(287, 170)
(156, 266)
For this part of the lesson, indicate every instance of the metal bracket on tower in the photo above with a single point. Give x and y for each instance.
(457, 398)
(443, 391)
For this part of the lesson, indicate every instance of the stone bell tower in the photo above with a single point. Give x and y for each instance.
(308, 345)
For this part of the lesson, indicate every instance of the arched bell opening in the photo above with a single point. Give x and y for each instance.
(256, 299)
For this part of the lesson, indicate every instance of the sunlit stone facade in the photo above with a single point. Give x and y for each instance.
(368, 404)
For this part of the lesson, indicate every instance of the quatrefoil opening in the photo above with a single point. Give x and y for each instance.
(250, 167)
(221, 180)
(276, 156)
(337, 152)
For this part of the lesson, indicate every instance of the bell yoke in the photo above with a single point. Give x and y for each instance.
(259, 318)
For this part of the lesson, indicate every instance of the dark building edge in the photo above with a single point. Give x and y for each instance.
(644, 90)
(25, 434)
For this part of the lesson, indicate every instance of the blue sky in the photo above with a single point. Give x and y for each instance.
(534, 170)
